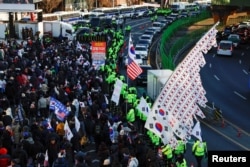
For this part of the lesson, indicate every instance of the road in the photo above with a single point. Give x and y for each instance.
(226, 81)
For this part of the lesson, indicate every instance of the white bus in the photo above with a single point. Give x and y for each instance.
(126, 11)
(140, 9)
(96, 14)
(109, 12)
(178, 6)
(69, 16)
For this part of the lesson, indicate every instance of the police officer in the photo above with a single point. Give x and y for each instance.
(131, 115)
(6, 33)
(180, 161)
(180, 148)
(167, 151)
(199, 150)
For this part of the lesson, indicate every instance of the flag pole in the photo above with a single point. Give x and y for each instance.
(127, 76)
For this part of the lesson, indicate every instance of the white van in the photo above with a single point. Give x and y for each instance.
(225, 48)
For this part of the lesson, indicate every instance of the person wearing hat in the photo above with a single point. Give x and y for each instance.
(4, 157)
(53, 149)
(15, 163)
(133, 161)
(180, 161)
(61, 161)
(80, 160)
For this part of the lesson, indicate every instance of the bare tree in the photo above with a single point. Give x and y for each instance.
(49, 5)
(90, 4)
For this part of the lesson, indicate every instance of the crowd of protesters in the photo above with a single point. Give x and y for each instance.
(31, 73)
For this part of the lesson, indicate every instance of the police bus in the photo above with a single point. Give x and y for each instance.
(126, 12)
(109, 12)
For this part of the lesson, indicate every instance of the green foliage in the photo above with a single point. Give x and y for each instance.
(167, 51)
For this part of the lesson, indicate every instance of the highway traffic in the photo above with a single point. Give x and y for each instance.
(226, 81)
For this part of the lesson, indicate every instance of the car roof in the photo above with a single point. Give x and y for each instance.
(146, 35)
(226, 41)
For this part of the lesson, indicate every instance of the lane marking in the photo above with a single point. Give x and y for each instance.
(229, 138)
(245, 71)
(214, 55)
(242, 54)
(216, 77)
(210, 65)
(236, 127)
(240, 95)
(239, 61)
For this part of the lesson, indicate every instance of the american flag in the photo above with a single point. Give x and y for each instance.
(60, 110)
(133, 69)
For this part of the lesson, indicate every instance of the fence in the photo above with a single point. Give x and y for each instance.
(169, 47)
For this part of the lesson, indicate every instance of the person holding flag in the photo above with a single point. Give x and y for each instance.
(133, 69)
(199, 148)
(59, 109)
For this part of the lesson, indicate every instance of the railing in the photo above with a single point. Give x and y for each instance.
(169, 49)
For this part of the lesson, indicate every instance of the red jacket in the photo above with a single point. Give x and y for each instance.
(4, 160)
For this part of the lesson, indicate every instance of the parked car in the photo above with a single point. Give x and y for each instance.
(149, 33)
(143, 42)
(169, 19)
(157, 26)
(153, 29)
(142, 51)
(146, 37)
(135, 16)
(225, 48)
(235, 38)
(164, 23)
(142, 78)
(137, 59)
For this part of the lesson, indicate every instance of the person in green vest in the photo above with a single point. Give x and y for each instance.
(132, 90)
(199, 150)
(155, 17)
(6, 33)
(180, 148)
(180, 161)
(131, 97)
(128, 28)
(111, 78)
(167, 151)
(124, 91)
(130, 116)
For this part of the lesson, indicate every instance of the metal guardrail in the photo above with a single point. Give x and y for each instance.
(213, 114)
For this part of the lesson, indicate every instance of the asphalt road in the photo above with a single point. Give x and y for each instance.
(226, 81)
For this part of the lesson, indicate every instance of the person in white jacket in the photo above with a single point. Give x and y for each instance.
(133, 161)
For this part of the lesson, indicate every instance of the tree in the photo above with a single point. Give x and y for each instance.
(49, 5)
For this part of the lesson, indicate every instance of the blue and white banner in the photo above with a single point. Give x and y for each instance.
(60, 110)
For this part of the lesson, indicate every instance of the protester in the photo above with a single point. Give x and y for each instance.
(68, 75)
